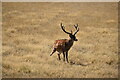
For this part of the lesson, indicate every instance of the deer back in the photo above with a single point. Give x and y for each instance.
(63, 45)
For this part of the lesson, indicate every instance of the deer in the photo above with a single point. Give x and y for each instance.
(64, 45)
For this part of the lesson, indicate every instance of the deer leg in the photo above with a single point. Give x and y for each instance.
(59, 56)
(67, 56)
(53, 51)
(63, 56)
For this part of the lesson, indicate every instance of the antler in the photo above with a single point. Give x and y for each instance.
(77, 29)
(63, 28)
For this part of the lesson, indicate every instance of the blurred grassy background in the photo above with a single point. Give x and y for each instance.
(30, 29)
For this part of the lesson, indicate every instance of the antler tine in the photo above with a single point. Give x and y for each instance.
(76, 26)
(63, 28)
(62, 25)
(77, 29)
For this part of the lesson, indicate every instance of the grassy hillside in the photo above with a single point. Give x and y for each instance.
(30, 29)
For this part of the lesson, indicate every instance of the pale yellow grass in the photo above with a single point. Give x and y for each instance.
(30, 29)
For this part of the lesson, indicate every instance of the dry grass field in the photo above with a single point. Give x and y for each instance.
(30, 29)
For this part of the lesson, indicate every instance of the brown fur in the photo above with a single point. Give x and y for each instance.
(63, 45)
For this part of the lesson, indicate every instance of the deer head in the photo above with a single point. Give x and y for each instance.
(71, 35)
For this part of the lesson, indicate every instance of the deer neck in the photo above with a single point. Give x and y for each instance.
(71, 41)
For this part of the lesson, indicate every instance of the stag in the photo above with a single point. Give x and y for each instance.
(64, 45)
